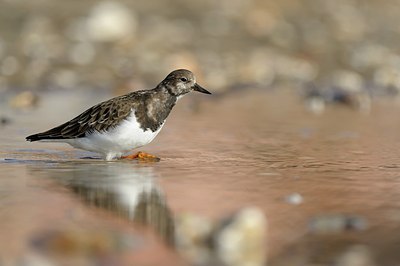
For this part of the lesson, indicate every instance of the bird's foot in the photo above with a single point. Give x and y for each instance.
(141, 156)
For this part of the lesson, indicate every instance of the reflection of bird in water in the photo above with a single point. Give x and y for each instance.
(127, 190)
(130, 192)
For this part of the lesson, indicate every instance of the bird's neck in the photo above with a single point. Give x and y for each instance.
(163, 98)
(156, 108)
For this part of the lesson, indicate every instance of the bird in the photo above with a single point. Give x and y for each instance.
(114, 127)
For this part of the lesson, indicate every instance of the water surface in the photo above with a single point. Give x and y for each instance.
(218, 155)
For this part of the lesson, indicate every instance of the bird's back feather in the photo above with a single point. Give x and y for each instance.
(101, 117)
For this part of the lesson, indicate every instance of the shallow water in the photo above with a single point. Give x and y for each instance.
(218, 155)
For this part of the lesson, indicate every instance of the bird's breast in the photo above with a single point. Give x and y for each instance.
(131, 133)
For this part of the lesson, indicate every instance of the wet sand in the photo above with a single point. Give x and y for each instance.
(218, 155)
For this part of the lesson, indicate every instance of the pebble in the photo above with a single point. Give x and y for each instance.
(24, 100)
(110, 21)
(241, 239)
(4, 121)
(237, 240)
(192, 238)
(356, 255)
(294, 199)
(336, 223)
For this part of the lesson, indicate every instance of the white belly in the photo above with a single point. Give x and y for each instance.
(115, 142)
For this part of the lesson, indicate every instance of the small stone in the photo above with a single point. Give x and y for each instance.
(347, 80)
(24, 100)
(316, 105)
(336, 223)
(110, 21)
(65, 78)
(357, 255)
(387, 77)
(294, 199)
(4, 121)
(192, 235)
(241, 240)
(33, 259)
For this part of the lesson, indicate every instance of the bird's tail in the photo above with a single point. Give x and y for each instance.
(34, 137)
(52, 134)
(42, 136)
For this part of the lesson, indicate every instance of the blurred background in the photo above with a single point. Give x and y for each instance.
(54, 45)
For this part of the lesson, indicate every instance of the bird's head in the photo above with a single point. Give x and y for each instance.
(182, 81)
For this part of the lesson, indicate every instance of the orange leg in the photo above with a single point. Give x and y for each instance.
(141, 156)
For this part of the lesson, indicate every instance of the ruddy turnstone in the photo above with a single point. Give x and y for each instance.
(121, 124)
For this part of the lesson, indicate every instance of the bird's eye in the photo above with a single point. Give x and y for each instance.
(184, 79)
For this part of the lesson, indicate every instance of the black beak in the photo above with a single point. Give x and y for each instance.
(198, 88)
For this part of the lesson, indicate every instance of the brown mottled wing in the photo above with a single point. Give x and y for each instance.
(101, 117)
